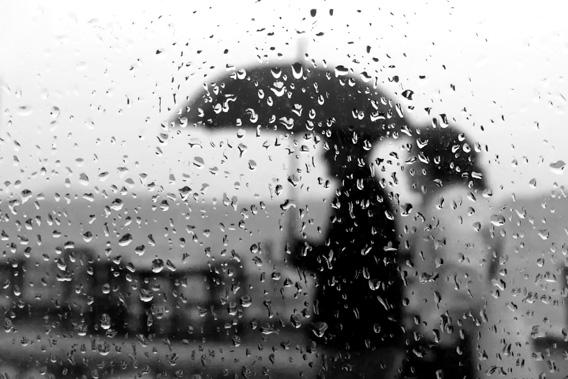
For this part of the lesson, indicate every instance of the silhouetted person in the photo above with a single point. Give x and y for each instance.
(357, 308)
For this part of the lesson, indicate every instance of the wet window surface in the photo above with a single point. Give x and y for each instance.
(251, 190)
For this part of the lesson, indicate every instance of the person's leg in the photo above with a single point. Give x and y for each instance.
(431, 361)
(384, 363)
(502, 345)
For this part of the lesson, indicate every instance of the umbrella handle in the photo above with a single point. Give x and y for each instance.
(291, 225)
(301, 49)
(291, 221)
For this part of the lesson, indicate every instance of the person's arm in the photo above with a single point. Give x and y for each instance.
(307, 255)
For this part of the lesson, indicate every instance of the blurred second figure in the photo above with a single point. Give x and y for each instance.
(455, 255)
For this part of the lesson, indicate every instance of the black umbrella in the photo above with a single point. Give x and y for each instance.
(295, 98)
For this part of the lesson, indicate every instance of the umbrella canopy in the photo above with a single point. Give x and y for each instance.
(295, 98)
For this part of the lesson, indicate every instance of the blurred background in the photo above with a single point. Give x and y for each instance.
(92, 170)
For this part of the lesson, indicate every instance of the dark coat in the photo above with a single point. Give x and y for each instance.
(359, 289)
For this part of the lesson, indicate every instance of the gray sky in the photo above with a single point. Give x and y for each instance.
(84, 90)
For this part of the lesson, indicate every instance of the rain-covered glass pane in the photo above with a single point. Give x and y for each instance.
(283, 189)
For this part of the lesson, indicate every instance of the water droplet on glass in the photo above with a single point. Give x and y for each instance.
(146, 295)
(54, 113)
(365, 77)
(498, 220)
(139, 250)
(558, 167)
(297, 71)
(341, 70)
(87, 236)
(84, 179)
(295, 321)
(319, 328)
(157, 265)
(241, 74)
(276, 72)
(405, 209)
(408, 94)
(287, 205)
(125, 240)
(246, 301)
(105, 321)
(198, 162)
(278, 88)
(543, 234)
(116, 205)
(24, 110)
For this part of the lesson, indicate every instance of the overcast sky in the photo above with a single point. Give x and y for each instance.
(86, 85)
